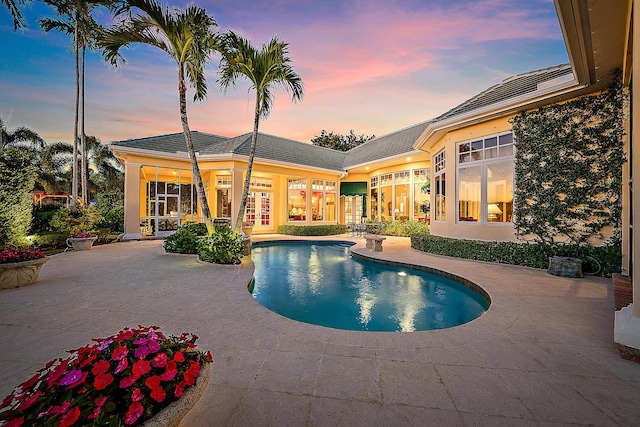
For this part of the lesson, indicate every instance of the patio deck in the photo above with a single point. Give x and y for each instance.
(543, 354)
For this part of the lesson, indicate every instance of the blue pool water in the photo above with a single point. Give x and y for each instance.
(320, 283)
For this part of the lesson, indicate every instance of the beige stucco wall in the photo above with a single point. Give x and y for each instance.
(450, 227)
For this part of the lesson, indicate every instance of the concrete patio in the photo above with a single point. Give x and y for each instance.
(543, 354)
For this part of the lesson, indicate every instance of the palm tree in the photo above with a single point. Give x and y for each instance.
(19, 137)
(187, 37)
(16, 14)
(265, 68)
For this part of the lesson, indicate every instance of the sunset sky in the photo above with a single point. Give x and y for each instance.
(371, 66)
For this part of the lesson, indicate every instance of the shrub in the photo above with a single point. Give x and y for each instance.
(41, 218)
(312, 230)
(48, 241)
(405, 228)
(185, 240)
(113, 219)
(527, 254)
(17, 177)
(68, 220)
(224, 246)
(110, 204)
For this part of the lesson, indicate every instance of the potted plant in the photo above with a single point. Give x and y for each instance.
(247, 227)
(82, 241)
(20, 267)
(76, 222)
(125, 379)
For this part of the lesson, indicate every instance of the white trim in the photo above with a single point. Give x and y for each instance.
(626, 330)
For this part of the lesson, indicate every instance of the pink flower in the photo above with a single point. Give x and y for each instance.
(141, 352)
(71, 377)
(62, 409)
(135, 411)
(100, 401)
(180, 389)
(153, 345)
(102, 381)
(159, 360)
(119, 353)
(124, 364)
(128, 381)
(100, 367)
(137, 395)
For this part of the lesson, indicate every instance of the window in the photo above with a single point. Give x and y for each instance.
(374, 198)
(421, 194)
(297, 199)
(223, 196)
(439, 164)
(485, 180)
(323, 200)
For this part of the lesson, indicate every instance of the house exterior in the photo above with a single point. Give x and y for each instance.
(455, 171)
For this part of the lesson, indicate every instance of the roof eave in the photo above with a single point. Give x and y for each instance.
(384, 159)
(435, 130)
(279, 163)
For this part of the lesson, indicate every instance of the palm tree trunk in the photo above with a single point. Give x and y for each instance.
(74, 174)
(252, 153)
(85, 182)
(195, 170)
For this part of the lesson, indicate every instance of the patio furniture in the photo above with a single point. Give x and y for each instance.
(374, 243)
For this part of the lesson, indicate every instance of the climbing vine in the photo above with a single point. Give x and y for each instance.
(568, 167)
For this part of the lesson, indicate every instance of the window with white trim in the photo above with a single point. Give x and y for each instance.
(439, 165)
(485, 180)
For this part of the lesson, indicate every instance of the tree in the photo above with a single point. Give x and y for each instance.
(16, 14)
(187, 37)
(266, 68)
(19, 137)
(17, 175)
(75, 18)
(340, 142)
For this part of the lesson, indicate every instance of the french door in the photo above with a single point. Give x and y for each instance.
(259, 211)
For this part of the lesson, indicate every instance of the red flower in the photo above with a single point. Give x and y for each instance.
(179, 357)
(124, 335)
(16, 422)
(170, 373)
(158, 394)
(88, 361)
(7, 401)
(141, 367)
(70, 417)
(27, 384)
(100, 367)
(188, 378)
(55, 375)
(119, 353)
(194, 368)
(100, 401)
(29, 402)
(62, 409)
(135, 410)
(102, 381)
(209, 356)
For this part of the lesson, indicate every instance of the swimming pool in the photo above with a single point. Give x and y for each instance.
(320, 283)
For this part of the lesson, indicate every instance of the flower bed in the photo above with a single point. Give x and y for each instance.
(18, 255)
(120, 380)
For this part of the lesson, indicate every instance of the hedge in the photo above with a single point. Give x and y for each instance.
(526, 254)
(312, 230)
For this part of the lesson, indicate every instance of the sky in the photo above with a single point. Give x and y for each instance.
(374, 66)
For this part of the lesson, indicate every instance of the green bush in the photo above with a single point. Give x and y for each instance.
(312, 230)
(110, 204)
(113, 219)
(185, 240)
(41, 218)
(70, 221)
(17, 177)
(405, 228)
(48, 241)
(527, 254)
(222, 247)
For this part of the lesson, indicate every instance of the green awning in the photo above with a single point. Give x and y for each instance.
(353, 188)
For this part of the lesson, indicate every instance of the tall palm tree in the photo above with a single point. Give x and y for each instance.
(16, 14)
(266, 68)
(188, 38)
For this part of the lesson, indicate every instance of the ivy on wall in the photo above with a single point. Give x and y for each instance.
(568, 167)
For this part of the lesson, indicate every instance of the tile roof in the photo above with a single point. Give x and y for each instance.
(390, 145)
(514, 86)
(172, 143)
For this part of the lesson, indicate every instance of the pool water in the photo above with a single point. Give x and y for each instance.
(320, 283)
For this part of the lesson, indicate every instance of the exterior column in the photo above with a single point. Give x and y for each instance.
(132, 201)
(237, 184)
